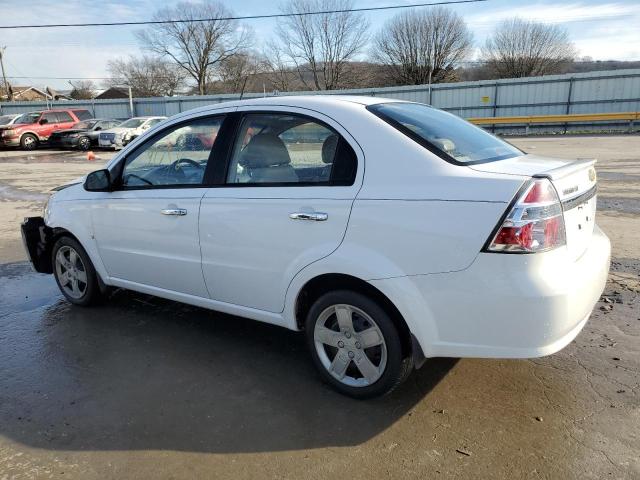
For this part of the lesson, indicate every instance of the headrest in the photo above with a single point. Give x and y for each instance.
(264, 150)
(329, 148)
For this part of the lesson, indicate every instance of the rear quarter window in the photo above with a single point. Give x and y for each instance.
(448, 136)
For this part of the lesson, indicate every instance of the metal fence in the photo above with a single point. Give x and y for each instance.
(591, 92)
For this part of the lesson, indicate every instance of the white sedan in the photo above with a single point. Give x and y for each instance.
(118, 136)
(387, 231)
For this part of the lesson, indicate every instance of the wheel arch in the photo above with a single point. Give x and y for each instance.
(327, 282)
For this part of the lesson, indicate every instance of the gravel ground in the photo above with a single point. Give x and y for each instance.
(144, 387)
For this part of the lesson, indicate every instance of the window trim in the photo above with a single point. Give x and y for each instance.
(240, 117)
(118, 169)
(374, 109)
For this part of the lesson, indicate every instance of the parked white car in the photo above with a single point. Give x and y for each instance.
(118, 137)
(6, 120)
(387, 231)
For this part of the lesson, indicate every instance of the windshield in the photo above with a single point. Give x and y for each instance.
(87, 125)
(5, 119)
(28, 118)
(132, 123)
(453, 138)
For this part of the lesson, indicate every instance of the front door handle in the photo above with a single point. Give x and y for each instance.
(174, 211)
(314, 216)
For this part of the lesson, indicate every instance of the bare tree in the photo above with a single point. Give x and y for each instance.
(522, 48)
(320, 46)
(234, 72)
(196, 46)
(278, 71)
(147, 76)
(82, 90)
(423, 45)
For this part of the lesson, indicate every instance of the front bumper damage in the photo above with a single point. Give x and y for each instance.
(37, 240)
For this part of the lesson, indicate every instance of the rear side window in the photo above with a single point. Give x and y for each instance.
(274, 148)
(64, 117)
(446, 135)
(82, 114)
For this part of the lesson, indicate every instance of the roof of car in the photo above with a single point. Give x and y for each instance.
(304, 101)
(312, 99)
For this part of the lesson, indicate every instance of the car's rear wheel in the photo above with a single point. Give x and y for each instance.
(28, 142)
(84, 143)
(355, 345)
(74, 272)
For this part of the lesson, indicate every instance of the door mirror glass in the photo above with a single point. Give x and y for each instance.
(98, 181)
(44, 121)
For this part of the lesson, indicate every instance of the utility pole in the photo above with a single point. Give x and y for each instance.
(4, 77)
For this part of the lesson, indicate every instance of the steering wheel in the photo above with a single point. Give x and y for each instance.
(176, 165)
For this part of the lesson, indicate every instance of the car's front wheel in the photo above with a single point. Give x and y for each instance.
(74, 272)
(84, 143)
(355, 344)
(28, 142)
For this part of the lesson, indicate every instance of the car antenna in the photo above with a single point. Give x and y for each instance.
(244, 84)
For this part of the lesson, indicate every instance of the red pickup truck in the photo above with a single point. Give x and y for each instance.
(34, 127)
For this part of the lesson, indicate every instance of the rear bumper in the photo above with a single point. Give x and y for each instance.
(36, 237)
(504, 306)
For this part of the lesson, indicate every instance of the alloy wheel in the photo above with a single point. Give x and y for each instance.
(71, 272)
(350, 345)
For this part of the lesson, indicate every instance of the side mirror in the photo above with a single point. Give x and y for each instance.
(98, 128)
(43, 121)
(98, 181)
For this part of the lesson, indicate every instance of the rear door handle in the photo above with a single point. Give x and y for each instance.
(314, 216)
(174, 211)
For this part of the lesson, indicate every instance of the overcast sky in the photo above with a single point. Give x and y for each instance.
(602, 30)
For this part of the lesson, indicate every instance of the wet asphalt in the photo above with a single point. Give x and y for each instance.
(141, 387)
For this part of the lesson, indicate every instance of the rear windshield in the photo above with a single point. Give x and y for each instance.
(447, 135)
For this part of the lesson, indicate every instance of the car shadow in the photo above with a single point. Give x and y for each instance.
(144, 373)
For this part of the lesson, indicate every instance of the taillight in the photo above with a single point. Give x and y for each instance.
(534, 224)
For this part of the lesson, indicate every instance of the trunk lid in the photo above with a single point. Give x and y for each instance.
(576, 184)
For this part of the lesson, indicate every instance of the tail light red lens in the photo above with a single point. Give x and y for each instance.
(535, 223)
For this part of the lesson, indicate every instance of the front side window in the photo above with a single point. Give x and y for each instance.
(178, 156)
(283, 148)
(28, 118)
(450, 136)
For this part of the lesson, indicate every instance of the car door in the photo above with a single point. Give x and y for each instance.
(65, 120)
(147, 229)
(48, 124)
(289, 188)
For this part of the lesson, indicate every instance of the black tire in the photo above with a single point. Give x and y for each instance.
(84, 143)
(28, 141)
(91, 294)
(397, 367)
